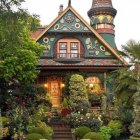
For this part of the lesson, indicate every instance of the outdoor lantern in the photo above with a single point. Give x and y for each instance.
(91, 85)
(62, 85)
(45, 85)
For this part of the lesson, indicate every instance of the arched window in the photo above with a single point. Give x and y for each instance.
(68, 48)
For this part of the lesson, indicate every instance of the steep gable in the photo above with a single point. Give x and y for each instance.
(78, 25)
(69, 22)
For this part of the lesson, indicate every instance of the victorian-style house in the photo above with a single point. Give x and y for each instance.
(75, 46)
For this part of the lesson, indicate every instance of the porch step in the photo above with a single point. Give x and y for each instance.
(62, 133)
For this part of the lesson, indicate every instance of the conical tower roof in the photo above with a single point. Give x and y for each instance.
(101, 3)
(102, 7)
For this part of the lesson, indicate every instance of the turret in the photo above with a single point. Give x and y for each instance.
(102, 16)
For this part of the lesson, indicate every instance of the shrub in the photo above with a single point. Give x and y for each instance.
(40, 131)
(65, 103)
(134, 138)
(81, 131)
(105, 132)
(93, 136)
(5, 120)
(93, 123)
(116, 128)
(34, 136)
(90, 120)
(126, 116)
(47, 129)
(78, 95)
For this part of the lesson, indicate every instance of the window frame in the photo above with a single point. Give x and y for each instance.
(69, 49)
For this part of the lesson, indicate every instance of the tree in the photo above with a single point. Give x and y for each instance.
(126, 87)
(132, 51)
(19, 53)
(0, 125)
(78, 95)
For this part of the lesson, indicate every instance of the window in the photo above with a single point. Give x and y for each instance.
(68, 48)
(74, 49)
(62, 50)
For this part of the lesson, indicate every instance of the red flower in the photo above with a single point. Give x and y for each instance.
(65, 112)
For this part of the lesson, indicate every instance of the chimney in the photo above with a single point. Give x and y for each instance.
(60, 10)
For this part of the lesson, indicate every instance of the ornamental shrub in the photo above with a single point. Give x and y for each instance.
(65, 103)
(78, 95)
(134, 138)
(116, 128)
(47, 129)
(40, 131)
(34, 136)
(5, 120)
(81, 131)
(93, 136)
(135, 128)
(105, 132)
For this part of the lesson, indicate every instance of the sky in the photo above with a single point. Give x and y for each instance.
(127, 20)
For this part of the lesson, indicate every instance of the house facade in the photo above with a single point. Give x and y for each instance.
(74, 46)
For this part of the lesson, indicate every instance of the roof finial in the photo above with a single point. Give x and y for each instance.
(69, 4)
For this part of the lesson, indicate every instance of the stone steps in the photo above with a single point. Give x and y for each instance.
(62, 133)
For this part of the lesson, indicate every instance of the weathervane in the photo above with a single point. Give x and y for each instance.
(69, 4)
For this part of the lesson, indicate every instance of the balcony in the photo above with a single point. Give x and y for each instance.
(69, 57)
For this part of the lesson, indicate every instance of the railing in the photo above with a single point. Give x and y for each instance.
(69, 56)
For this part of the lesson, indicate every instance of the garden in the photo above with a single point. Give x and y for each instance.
(25, 107)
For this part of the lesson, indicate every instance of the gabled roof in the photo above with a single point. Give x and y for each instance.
(114, 52)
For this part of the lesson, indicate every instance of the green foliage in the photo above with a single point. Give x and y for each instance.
(126, 116)
(134, 138)
(125, 87)
(47, 129)
(93, 136)
(65, 103)
(81, 131)
(135, 129)
(105, 132)
(116, 128)
(1, 135)
(4, 120)
(94, 97)
(78, 95)
(132, 51)
(34, 136)
(26, 109)
(90, 120)
(41, 131)
(19, 53)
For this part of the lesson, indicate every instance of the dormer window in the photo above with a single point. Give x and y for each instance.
(68, 48)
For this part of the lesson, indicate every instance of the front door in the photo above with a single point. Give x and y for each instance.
(55, 93)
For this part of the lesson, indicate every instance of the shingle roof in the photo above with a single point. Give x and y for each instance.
(101, 3)
(36, 33)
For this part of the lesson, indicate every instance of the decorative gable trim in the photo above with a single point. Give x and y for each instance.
(53, 22)
(90, 28)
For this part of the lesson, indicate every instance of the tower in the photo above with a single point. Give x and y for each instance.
(102, 16)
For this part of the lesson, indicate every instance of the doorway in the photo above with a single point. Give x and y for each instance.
(55, 90)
